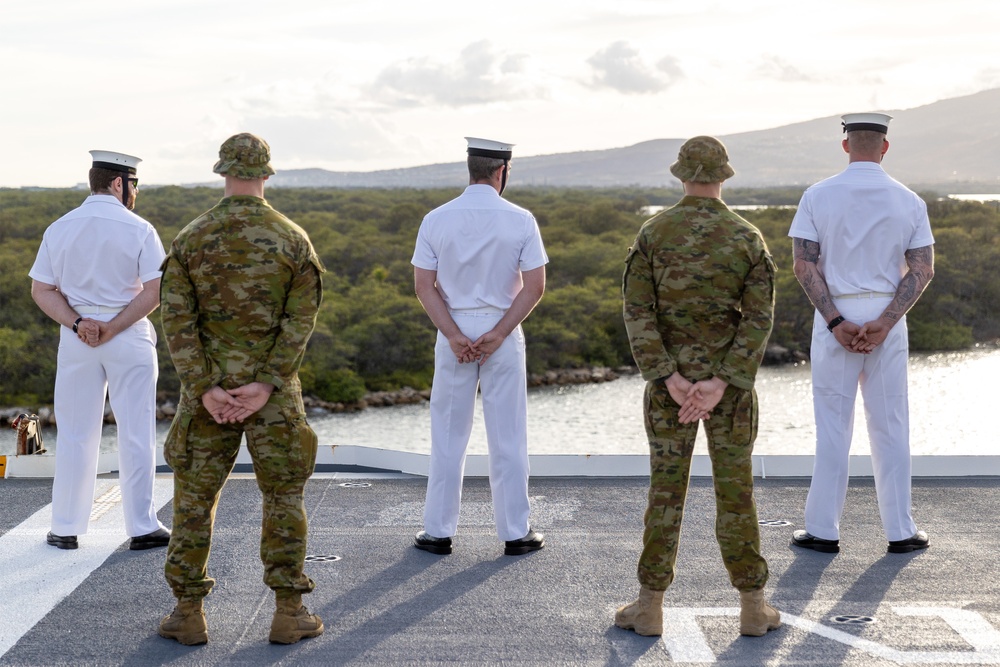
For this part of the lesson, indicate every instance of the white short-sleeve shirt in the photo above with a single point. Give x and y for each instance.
(479, 243)
(864, 222)
(99, 254)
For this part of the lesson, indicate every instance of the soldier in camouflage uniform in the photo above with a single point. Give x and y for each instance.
(240, 291)
(698, 306)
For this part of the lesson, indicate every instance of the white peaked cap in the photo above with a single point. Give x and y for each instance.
(115, 161)
(876, 122)
(490, 148)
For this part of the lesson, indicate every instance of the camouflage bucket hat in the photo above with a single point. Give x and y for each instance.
(702, 160)
(244, 156)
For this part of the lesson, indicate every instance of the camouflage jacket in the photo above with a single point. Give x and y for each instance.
(240, 291)
(699, 294)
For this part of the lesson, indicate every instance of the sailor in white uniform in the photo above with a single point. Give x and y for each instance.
(864, 254)
(479, 269)
(97, 273)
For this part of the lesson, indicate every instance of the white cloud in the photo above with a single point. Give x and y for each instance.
(988, 77)
(309, 141)
(620, 67)
(776, 67)
(480, 75)
(356, 85)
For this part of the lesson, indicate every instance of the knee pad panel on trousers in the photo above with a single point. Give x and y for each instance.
(283, 445)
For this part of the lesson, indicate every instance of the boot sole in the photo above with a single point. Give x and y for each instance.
(645, 632)
(64, 545)
(821, 548)
(187, 640)
(520, 551)
(298, 636)
(758, 631)
(439, 551)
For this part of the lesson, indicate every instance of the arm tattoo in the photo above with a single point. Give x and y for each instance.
(920, 270)
(807, 253)
(923, 256)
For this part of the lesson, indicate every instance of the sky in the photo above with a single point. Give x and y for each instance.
(351, 85)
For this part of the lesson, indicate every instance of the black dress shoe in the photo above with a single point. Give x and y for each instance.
(915, 543)
(158, 538)
(531, 542)
(435, 545)
(801, 538)
(62, 541)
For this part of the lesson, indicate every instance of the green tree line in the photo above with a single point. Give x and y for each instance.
(372, 333)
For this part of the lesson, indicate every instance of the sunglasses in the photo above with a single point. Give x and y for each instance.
(134, 182)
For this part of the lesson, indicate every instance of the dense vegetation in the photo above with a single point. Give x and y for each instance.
(372, 333)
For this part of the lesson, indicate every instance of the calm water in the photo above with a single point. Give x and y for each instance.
(951, 406)
(951, 412)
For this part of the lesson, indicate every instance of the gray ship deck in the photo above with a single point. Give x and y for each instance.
(385, 603)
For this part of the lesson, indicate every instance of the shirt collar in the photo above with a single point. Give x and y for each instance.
(865, 166)
(692, 200)
(482, 188)
(243, 199)
(104, 199)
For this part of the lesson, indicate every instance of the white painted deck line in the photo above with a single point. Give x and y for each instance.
(563, 465)
(37, 576)
(637, 465)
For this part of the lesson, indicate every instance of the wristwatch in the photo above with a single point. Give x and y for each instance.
(78, 320)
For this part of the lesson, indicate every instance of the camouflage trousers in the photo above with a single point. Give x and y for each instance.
(202, 454)
(731, 430)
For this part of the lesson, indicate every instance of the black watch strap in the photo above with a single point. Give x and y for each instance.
(78, 320)
(834, 322)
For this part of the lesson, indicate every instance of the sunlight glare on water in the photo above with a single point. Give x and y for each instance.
(951, 410)
(950, 413)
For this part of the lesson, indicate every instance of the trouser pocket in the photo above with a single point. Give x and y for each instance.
(745, 418)
(175, 448)
(304, 444)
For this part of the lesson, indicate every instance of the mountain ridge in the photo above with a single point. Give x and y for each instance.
(946, 143)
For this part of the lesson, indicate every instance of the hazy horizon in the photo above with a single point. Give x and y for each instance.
(357, 86)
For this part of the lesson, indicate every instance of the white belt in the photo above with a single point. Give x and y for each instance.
(864, 295)
(98, 310)
(485, 310)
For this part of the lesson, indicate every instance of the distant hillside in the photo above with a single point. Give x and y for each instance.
(947, 145)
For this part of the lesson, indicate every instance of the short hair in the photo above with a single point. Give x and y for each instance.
(482, 168)
(101, 179)
(866, 141)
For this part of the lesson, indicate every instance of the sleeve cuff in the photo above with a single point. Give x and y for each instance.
(270, 379)
(660, 371)
(198, 389)
(737, 380)
(152, 275)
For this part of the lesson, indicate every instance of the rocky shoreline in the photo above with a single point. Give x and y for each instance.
(379, 399)
(775, 355)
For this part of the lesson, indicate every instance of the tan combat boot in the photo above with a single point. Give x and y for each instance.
(186, 624)
(293, 622)
(645, 615)
(756, 615)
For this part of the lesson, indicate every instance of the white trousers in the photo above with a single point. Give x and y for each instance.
(505, 406)
(125, 365)
(836, 374)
